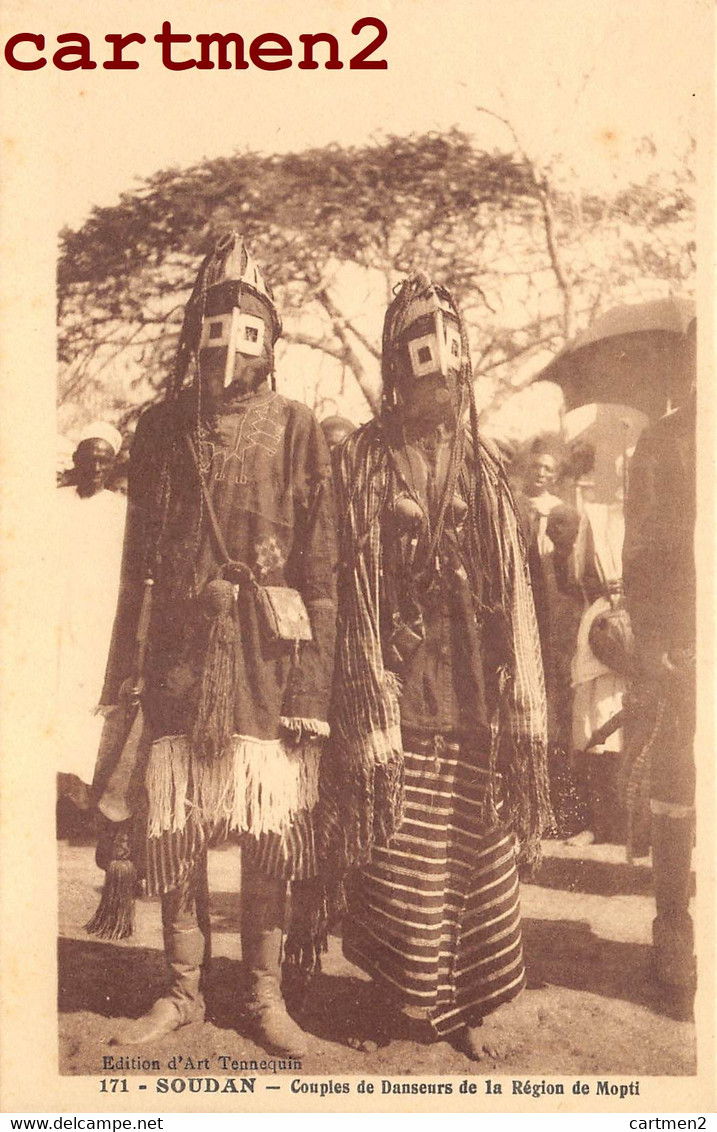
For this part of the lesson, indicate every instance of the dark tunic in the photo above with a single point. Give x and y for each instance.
(267, 469)
(660, 589)
(658, 554)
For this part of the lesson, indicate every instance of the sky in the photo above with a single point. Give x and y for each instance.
(584, 80)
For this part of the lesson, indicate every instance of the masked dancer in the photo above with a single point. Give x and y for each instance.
(439, 717)
(231, 530)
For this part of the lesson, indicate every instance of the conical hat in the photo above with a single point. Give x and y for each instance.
(232, 262)
(228, 266)
(418, 296)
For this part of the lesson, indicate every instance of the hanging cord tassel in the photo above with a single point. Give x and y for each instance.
(114, 918)
(214, 724)
(388, 787)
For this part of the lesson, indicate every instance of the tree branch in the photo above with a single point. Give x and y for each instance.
(350, 357)
(542, 192)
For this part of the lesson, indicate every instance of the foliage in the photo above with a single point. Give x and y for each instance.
(334, 229)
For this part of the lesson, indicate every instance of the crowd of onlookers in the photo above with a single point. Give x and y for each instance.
(574, 556)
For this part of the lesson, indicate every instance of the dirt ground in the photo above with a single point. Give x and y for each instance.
(590, 1007)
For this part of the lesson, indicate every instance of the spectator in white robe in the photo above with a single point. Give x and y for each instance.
(88, 553)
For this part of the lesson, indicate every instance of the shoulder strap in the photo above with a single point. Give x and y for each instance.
(214, 522)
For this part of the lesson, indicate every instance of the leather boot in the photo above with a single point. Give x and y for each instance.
(186, 951)
(672, 929)
(263, 900)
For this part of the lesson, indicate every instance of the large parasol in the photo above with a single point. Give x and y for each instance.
(631, 356)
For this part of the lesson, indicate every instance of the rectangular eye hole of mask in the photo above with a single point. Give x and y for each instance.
(216, 331)
(249, 338)
(424, 355)
(453, 340)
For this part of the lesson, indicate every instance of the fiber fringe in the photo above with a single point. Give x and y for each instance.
(393, 683)
(527, 791)
(258, 788)
(359, 808)
(305, 728)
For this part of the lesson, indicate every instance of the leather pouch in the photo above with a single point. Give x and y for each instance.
(283, 614)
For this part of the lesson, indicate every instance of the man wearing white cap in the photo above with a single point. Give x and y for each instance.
(88, 556)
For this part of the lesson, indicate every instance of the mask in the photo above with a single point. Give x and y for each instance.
(434, 345)
(424, 357)
(430, 352)
(230, 324)
(235, 339)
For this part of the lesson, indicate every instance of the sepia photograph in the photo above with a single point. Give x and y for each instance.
(357, 557)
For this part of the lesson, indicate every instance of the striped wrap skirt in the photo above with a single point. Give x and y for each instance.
(435, 917)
